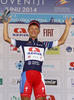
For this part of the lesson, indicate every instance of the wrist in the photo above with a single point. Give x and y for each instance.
(68, 27)
(5, 23)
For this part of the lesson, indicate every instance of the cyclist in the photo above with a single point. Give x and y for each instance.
(33, 52)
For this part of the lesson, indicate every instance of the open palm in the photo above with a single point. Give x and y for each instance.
(68, 22)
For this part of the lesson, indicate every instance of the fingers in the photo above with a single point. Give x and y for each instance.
(9, 19)
(0, 17)
(66, 19)
(70, 18)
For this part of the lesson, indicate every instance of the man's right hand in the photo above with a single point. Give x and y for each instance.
(4, 21)
(5, 30)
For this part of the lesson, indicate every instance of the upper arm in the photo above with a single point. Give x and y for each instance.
(59, 43)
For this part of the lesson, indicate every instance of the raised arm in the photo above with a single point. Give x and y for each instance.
(66, 31)
(5, 31)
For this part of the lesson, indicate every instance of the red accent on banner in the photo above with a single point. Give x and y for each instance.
(20, 30)
(72, 64)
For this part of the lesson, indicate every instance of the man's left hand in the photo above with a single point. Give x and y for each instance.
(68, 22)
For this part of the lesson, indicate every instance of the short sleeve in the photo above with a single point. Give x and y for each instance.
(55, 43)
(50, 44)
(13, 42)
(17, 43)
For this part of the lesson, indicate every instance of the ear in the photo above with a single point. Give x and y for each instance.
(28, 30)
(39, 31)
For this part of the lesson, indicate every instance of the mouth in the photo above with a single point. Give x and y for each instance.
(33, 33)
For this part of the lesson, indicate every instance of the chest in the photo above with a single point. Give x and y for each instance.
(34, 53)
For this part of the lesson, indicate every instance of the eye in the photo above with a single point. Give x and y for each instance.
(36, 29)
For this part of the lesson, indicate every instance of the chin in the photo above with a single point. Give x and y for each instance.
(33, 36)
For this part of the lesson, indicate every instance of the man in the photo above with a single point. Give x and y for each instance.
(33, 52)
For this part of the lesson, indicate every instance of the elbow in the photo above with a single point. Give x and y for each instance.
(61, 42)
(5, 39)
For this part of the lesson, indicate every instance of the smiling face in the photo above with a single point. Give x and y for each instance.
(33, 31)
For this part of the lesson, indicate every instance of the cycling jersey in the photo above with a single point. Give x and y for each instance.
(33, 52)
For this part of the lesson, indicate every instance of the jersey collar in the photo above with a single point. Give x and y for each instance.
(32, 41)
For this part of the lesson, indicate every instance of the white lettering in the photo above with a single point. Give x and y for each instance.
(12, 1)
(27, 1)
(33, 2)
(38, 3)
(19, 2)
(3, 2)
(42, 2)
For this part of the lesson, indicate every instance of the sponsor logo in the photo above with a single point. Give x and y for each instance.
(34, 50)
(33, 63)
(61, 2)
(39, 45)
(20, 32)
(19, 65)
(69, 49)
(71, 66)
(72, 82)
(43, 89)
(53, 51)
(26, 88)
(48, 32)
(15, 98)
(50, 97)
(13, 48)
(29, 56)
(15, 81)
(1, 81)
(34, 53)
(29, 62)
(50, 82)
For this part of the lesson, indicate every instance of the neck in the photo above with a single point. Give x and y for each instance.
(33, 38)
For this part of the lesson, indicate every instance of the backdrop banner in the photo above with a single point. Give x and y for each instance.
(58, 66)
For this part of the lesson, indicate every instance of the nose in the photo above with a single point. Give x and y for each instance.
(33, 30)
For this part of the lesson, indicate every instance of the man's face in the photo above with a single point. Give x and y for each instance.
(33, 31)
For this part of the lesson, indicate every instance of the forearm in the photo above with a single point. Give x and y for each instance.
(5, 33)
(64, 36)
